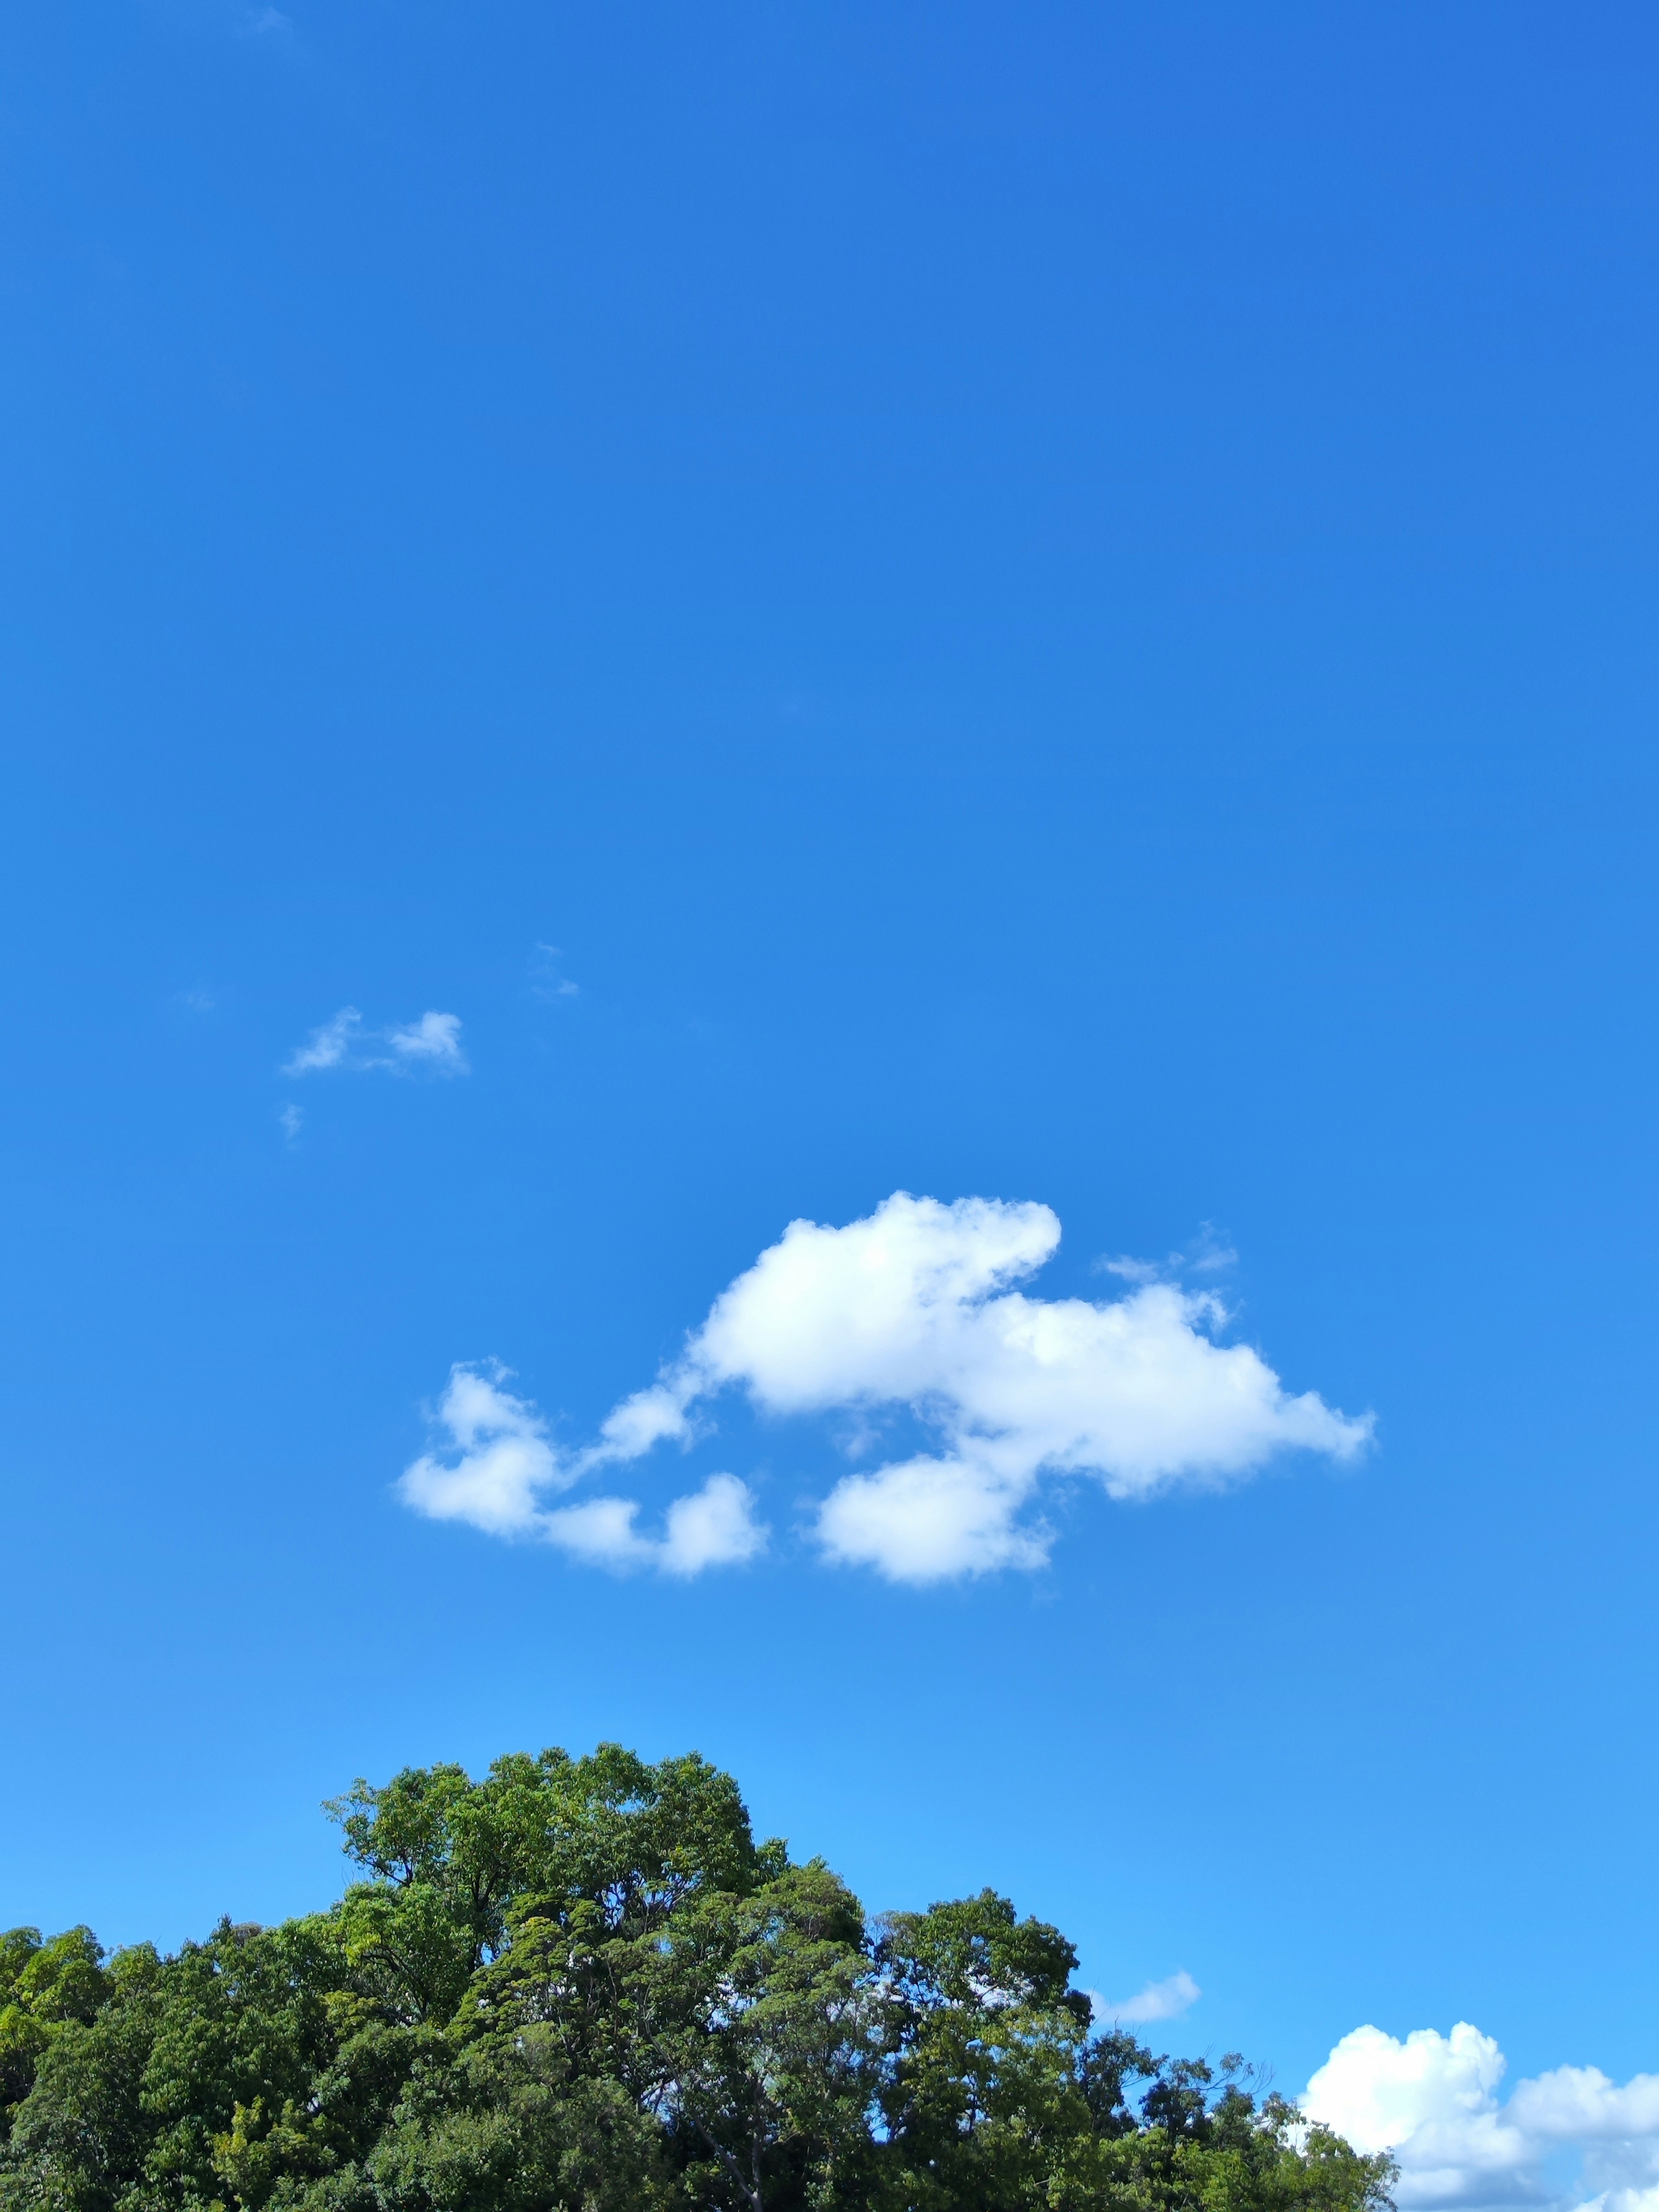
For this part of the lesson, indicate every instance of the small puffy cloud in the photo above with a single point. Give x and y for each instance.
(431, 1045)
(928, 1519)
(714, 1527)
(917, 1308)
(497, 1460)
(497, 1465)
(1432, 2100)
(291, 1120)
(1165, 2000)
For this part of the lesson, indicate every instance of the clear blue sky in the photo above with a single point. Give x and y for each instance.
(1052, 603)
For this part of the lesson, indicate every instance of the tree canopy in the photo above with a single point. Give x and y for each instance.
(581, 1985)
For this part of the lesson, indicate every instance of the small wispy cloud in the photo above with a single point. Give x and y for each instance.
(1165, 2000)
(1128, 1270)
(291, 1120)
(431, 1045)
(433, 1042)
(258, 22)
(495, 1464)
(1209, 1254)
(547, 980)
(328, 1046)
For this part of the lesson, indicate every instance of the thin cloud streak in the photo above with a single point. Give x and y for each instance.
(431, 1045)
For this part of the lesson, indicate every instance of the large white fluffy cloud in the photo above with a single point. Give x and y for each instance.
(1432, 2101)
(916, 1306)
(914, 1310)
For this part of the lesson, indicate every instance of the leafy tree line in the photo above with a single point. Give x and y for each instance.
(581, 1985)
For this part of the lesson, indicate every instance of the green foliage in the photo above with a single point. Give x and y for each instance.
(43, 1987)
(579, 1985)
(449, 1860)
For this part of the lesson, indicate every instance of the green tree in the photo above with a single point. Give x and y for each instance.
(450, 1861)
(985, 2088)
(43, 1987)
(581, 1985)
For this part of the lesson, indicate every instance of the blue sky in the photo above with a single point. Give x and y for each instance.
(1052, 605)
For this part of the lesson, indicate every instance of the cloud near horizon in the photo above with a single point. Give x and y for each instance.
(431, 1045)
(1432, 2101)
(1165, 2000)
(912, 1309)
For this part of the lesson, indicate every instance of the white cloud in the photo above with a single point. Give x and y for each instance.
(1129, 1270)
(497, 1462)
(1211, 1254)
(433, 1044)
(914, 1308)
(328, 1046)
(928, 1519)
(910, 1310)
(1165, 2000)
(292, 1119)
(1580, 2101)
(546, 981)
(1432, 2099)
(714, 1527)
(497, 1465)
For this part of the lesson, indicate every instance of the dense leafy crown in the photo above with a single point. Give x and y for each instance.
(581, 1985)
